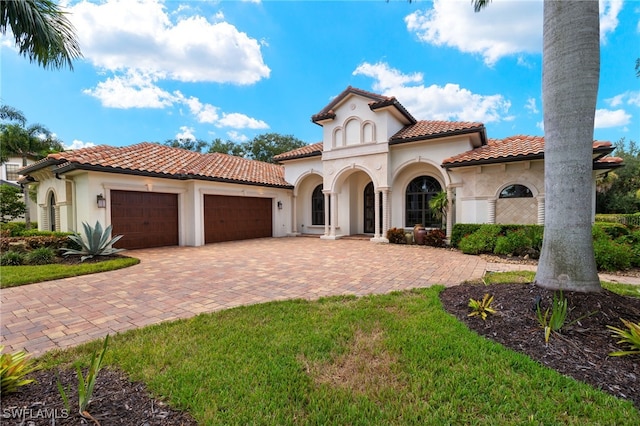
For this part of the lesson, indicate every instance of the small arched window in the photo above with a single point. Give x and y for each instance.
(516, 191)
(52, 212)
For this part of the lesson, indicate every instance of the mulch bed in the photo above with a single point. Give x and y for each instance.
(116, 401)
(581, 350)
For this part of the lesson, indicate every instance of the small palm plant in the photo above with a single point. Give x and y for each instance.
(95, 243)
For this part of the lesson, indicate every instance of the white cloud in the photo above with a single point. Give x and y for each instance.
(133, 90)
(540, 125)
(628, 97)
(77, 144)
(531, 106)
(609, 10)
(502, 29)
(139, 35)
(448, 102)
(237, 137)
(186, 133)
(241, 121)
(611, 118)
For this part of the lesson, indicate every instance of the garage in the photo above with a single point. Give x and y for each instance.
(228, 218)
(145, 219)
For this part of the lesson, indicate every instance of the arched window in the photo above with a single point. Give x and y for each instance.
(516, 191)
(317, 206)
(419, 193)
(52, 212)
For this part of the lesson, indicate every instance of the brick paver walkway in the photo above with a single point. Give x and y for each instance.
(180, 282)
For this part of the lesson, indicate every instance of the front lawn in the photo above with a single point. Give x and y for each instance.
(27, 274)
(385, 359)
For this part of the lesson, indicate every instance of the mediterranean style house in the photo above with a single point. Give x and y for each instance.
(377, 167)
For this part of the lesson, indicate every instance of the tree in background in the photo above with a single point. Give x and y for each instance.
(41, 32)
(261, 148)
(196, 145)
(11, 204)
(267, 145)
(618, 192)
(35, 141)
(228, 147)
(570, 65)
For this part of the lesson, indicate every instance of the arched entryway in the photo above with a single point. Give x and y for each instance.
(417, 196)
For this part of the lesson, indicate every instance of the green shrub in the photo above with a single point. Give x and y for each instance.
(396, 236)
(631, 220)
(514, 243)
(41, 256)
(12, 258)
(16, 229)
(632, 240)
(54, 240)
(611, 256)
(461, 230)
(435, 238)
(481, 241)
(614, 230)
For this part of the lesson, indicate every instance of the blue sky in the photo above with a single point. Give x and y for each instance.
(156, 70)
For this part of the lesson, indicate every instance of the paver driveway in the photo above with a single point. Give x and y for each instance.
(180, 282)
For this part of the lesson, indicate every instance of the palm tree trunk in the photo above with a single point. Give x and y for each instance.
(571, 68)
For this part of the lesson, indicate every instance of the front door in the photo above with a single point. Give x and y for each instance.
(370, 210)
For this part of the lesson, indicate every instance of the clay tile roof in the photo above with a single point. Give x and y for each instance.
(509, 149)
(428, 128)
(305, 151)
(164, 161)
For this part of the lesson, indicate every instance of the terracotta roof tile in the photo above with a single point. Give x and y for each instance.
(424, 128)
(511, 148)
(305, 151)
(328, 112)
(174, 162)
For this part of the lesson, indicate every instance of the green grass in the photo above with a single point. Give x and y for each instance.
(385, 359)
(12, 276)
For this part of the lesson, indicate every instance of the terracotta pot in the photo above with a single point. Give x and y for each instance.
(419, 234)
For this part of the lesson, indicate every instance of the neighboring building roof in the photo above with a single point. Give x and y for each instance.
(518, 148)
(377, 102)
(150, 159)
(303, 152)
(428, 129)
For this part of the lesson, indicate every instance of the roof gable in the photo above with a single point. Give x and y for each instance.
(377, 102)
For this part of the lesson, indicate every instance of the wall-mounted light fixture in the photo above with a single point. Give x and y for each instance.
(279, 205)
(102, 202)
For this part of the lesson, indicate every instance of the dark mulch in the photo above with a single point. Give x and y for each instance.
(581, 351)
(116, 401)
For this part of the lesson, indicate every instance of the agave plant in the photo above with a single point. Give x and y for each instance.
(95, 243)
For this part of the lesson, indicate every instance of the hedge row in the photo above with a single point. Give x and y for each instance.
(631, 220)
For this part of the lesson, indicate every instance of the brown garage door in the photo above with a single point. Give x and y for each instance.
(236, 218)
(145, 219)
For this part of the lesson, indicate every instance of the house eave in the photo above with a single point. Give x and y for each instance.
(477, 130)
(94, 168)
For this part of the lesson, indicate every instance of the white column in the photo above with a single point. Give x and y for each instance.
(294, 215)
(385, 212)
(333, 209)
(449, 212)
(327, 214)
(541, 209)
(376, 215)
(492, 210)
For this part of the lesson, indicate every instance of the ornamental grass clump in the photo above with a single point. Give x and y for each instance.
(13, 369)
(96, 242)
(481, 308)
(630, 337)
